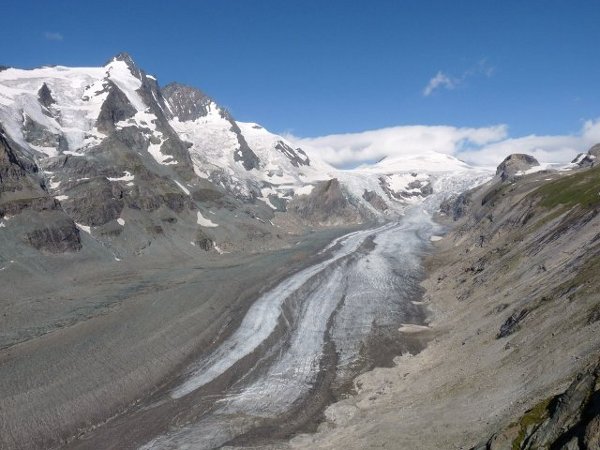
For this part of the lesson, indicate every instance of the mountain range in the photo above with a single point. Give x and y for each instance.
(106, 159)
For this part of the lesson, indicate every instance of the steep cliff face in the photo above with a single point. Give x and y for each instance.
(35, 217)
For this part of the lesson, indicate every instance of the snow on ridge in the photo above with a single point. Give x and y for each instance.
(119, 73)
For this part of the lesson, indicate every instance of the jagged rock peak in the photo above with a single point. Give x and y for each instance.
(125, 57)
(517, 162)
(186, 102)
(128, 60)
(45, 96)
(588, 159)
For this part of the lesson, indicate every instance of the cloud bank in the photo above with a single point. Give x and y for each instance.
(485, 146)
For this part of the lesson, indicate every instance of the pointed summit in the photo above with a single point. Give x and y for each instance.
(123, 56)
(129, 62)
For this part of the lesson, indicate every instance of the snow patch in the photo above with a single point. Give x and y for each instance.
(305, 190)
(121, 221)
(85, 228)
(60, 198)
(218, 250)
(204, 222)
(182, 187)
(127, 176)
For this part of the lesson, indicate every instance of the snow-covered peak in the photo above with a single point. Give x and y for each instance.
(429, 162)
(55, 109)
(126, 58)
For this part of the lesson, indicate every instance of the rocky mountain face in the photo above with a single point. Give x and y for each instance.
(138, 168)
(514, 329)
(540, 231)
(588, 159)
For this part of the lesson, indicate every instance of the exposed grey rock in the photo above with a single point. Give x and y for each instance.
(203, 240)
(571, 421)
(515, 163)
(415, 188)
(55, 237)
(186, 102)
(458, 206)
(293, 155)
(588, 159)
(95, 202)
(278, 202)
(573, 444)
(594, 151)
(503, 440)
(424, 187)
(16, 172)
(45, 96)
(375, 200)
(327, 204)
(512, 324)
(591, 438)
(244, 153)
(37, 134)
(115, 108)
(566, 413)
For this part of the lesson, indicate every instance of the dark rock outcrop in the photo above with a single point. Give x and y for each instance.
(244, 153)
(458, 206)
(56, 238)
(45, 96)
(115, 108)
(570, 420)
(515, 163)
(186, 102)
(375, 200)
(293, 155)
(327, 204)
(588, 159)
(203, 240)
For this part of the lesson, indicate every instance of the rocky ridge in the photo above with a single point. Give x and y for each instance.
(513, 332)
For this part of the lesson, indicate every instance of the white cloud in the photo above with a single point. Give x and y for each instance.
(440, 80)
(548, 148)
(444, 81)
(486, 146)
(53, 36)
(356, 148)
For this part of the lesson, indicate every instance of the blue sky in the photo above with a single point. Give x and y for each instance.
(314, 68)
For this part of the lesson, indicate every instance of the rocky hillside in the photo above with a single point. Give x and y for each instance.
(514, 332)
